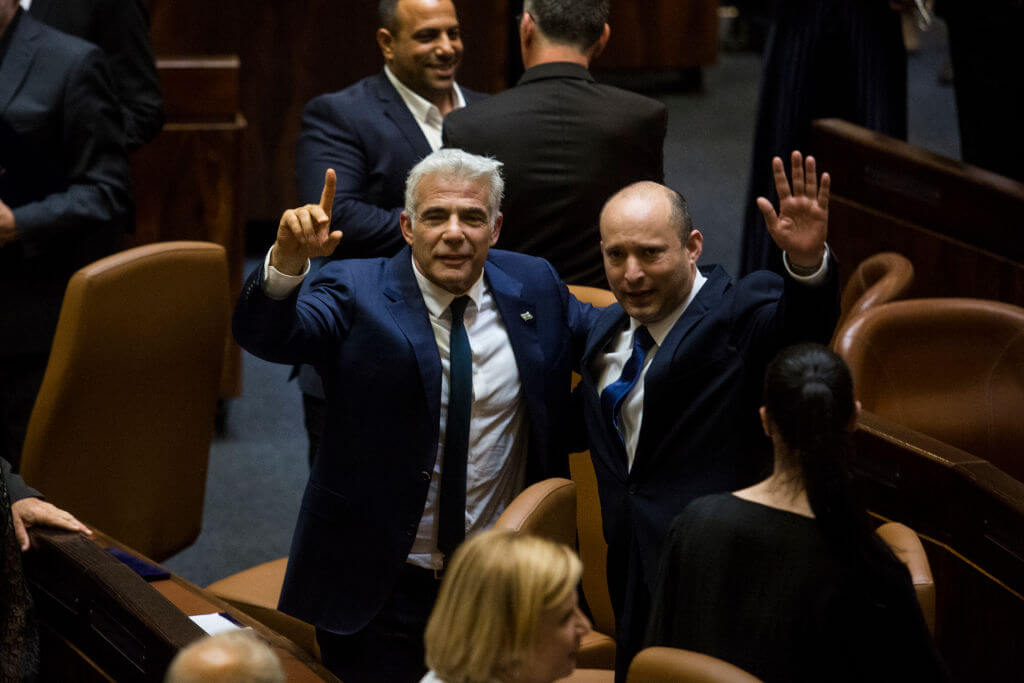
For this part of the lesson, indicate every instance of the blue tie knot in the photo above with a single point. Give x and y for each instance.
(616, 392)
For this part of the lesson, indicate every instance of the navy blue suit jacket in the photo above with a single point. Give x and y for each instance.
(63, 172)
(364, 325)
(367, 134)
(700, 431)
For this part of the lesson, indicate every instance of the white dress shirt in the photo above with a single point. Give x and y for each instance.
(608, 366)
(25, 4)
(498, 436)
(427, 115)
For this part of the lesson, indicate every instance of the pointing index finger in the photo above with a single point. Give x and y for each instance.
(327, 196)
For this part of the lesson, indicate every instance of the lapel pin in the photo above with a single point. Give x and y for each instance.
(526, 316)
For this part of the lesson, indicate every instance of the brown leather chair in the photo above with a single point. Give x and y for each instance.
(878, 279)
(121, 428)
(546, 509)
(598, 648)
(906, 545)
(672, 665)
(952, 369)
(592, 295)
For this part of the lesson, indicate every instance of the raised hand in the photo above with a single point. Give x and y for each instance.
(305, 232)
(801, 226)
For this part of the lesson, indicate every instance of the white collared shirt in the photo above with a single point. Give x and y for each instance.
(498, 428)
(427, 115)
(25, 4)
(608, 366)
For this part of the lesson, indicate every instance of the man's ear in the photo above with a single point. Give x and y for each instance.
(597, 48)
(694, 244)
(385, 41)
(496, 230)
(406, 223)
(766, 424)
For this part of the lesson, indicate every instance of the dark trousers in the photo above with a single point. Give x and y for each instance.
(20, 379)
(631, 602)
(390, 647)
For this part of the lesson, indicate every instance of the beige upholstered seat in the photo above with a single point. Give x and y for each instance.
(120, 433)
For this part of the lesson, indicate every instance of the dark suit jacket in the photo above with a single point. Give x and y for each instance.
(365, 327)
(64, 174)
(367, 134)
(16, 486)
(121, 29)
(700, 432)
(567, 143)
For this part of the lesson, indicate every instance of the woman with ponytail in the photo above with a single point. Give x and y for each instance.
(786, 579)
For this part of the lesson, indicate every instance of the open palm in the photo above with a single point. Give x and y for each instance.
(801, 225)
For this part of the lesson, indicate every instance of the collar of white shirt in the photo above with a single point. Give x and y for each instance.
(438, 299)
(660, 329)
(427, 115)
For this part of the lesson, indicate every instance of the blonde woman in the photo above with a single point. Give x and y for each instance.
(507, 612)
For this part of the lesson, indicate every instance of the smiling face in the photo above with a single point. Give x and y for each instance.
(650, 268)
(424, 47)
(452, 231)
(553, 654)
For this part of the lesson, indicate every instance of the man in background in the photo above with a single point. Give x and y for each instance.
(65, 195)
(372, 133)
(567, 142)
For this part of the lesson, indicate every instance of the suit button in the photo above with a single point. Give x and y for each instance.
(424, 475)
(632, 489)
(411, 530)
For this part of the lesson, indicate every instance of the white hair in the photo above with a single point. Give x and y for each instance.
(457, 165)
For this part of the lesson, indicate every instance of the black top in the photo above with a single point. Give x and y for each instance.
(758, 587)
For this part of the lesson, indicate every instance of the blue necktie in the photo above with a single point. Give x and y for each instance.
(452, 513)
(615, 393)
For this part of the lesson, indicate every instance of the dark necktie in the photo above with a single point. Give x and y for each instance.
(615, 393)
(452, 514)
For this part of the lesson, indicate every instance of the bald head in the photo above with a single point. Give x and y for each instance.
(232, 657)
(649, 197)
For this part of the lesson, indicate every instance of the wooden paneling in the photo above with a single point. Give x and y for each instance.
(959, 225)
(971, 519)
(187, 181)
(661, 34)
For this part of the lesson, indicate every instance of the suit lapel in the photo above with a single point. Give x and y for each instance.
(611, 321)
(410, 314)
(40, 9)
(399, 114)
(22, 50)
(665, 359)
(520, 318)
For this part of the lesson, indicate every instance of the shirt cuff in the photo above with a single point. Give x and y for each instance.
(815, 278)
(278, 285)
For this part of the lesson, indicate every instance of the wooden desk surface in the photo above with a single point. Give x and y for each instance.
(187, 598)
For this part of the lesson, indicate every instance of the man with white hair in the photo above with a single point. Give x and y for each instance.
(446, 369)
